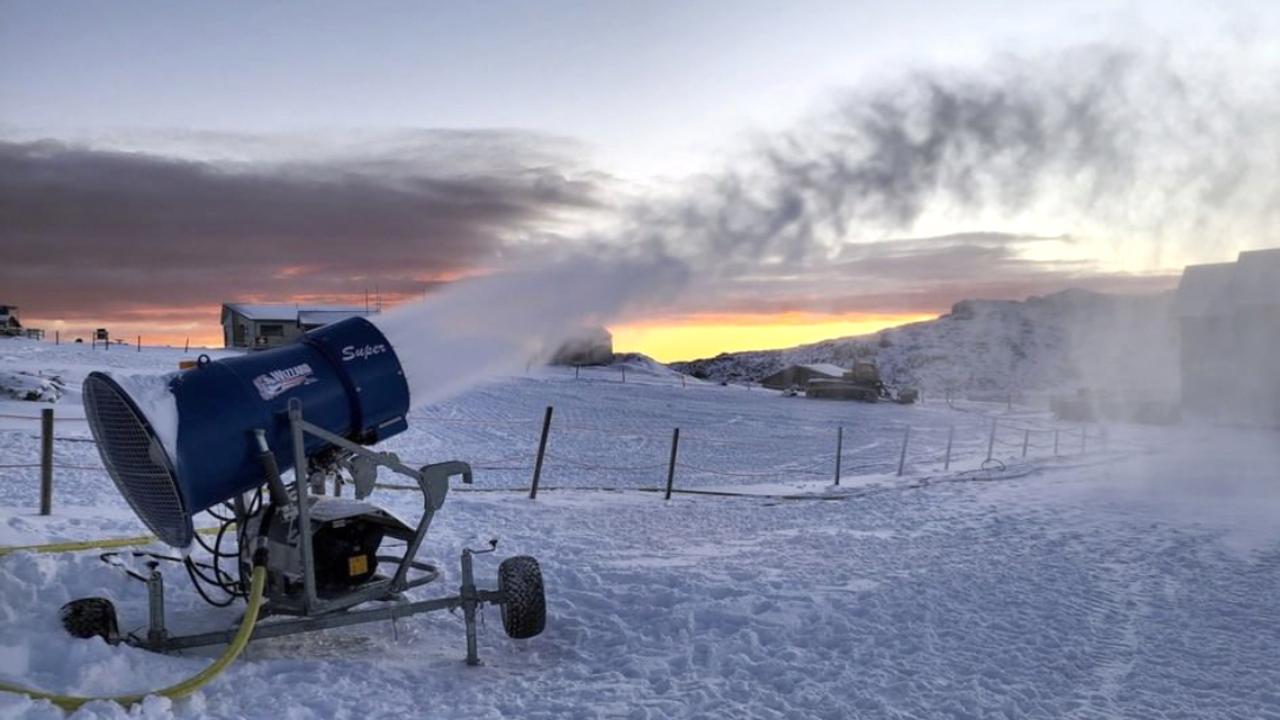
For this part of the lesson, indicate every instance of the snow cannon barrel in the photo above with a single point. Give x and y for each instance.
(345, 375)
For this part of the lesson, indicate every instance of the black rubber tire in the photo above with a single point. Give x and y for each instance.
(86, 617)
(524, 611)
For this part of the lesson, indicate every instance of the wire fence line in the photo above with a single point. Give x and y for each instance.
(896, 448)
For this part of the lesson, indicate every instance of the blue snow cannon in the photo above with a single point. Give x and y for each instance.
(346, 376)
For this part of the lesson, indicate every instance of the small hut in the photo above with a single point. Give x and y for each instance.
(798, 376)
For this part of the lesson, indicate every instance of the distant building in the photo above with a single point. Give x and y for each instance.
(1229, 317)
(592, 347)
(9, 324)
(798, 376)
(258, 327)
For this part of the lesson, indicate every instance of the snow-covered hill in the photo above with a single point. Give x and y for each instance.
(1067, 340)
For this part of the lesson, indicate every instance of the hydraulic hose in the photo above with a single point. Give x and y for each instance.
(191, 684)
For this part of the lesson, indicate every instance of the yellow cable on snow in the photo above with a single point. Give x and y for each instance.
(186, 687)
(76, 545)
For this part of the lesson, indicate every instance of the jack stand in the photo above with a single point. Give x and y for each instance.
(471, 600)
(156, 632)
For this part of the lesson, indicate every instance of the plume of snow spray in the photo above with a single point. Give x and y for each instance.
(1118, 140)
(498, 324)
(1116, 137)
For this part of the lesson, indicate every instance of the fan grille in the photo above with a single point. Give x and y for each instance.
(136, 460)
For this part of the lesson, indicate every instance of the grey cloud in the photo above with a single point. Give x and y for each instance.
(86, 227)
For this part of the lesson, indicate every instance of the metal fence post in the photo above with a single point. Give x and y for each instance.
(542, 452)
(671, 467)
(991, 441)
(839, 450)
(951, 435)
(46, 461)
(1026, 440)
(902, 459)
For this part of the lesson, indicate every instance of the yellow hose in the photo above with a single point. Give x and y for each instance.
(186, 687)
(76, 545)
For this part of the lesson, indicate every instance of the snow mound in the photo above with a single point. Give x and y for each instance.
(642, 364)
(31, 386)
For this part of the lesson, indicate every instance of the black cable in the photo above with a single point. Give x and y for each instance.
(192, 567)
(222, 518)
(215, 549)
(193, 573)
(107, 558)
(237, 586)
(203, 574)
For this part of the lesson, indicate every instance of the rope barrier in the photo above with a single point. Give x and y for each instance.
(615, 468)
(771, 473)
(37, 418)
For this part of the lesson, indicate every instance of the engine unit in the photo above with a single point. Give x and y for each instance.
(344, 534)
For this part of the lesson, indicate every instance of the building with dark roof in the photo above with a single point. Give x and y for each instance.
(261, 326)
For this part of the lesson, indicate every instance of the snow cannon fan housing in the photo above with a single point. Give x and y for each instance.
(346, 376)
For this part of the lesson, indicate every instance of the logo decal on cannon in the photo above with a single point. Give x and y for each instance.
(271, 384)
(351, 352)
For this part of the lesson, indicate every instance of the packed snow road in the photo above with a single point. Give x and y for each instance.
(1134, 584)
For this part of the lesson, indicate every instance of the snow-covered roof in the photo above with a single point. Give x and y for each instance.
(324, 317)
(287, 312)
(1257, 278)
(825, 368)
(1205, 290)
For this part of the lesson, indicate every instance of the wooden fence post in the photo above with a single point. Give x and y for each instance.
(991, 441)
(671, 467)
(46, 461)
(1026, 440)
(839, 450)
(902, 459)
(951, 434)
(624, 373)
(542, 452)
(139, 343)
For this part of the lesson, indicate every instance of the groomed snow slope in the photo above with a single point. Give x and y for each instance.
(1136, 581)
(1063, 341)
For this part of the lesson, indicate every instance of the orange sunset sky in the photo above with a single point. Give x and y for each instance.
(664, 339)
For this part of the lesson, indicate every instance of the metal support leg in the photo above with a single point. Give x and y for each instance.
(156, 632)
(300, 478)
(470, 601)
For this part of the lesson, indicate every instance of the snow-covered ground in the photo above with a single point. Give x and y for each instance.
(1135, 579)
